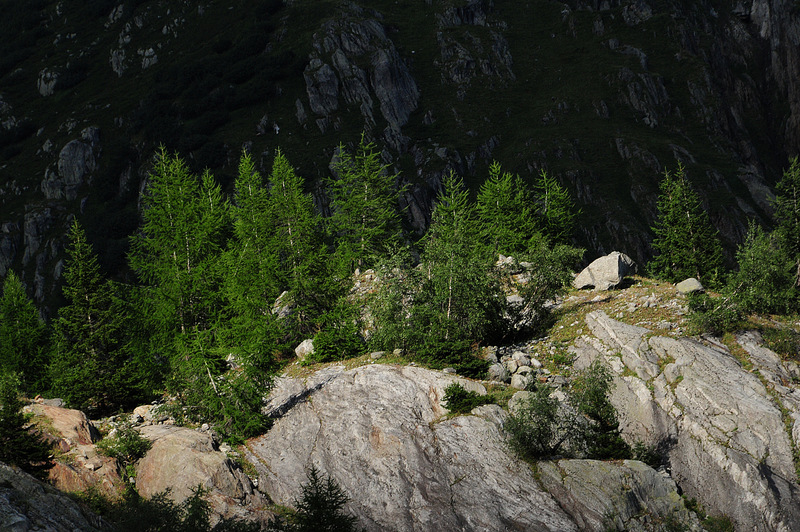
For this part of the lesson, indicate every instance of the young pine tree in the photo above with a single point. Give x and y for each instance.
(557, 211)
(19, 446)
(686, 243)
(787, 214)
(366, 219)
(90, 367)
(505, 211)
(23, 336)
(458, 300)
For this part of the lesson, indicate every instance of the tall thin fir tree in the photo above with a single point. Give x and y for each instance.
(557, 211)
(90, 367)
(787, 213)
(505, 212)
(458, 300)
(296, 242)
(686, 243)
(365, 220)
(23, 336)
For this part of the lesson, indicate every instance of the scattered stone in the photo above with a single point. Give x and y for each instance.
(305, 348)
(498, 373)
(377, 355)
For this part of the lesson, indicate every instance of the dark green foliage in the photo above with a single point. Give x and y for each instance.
(23, 336)
(366, 220)
(127, 446)
(505, 211)
(686, 243)
(586, 425)
(339, 336)
(765, 282)
(787, 213)
(91, 366)
(589, 395)
(319, 509)
(160, 514)
(461, 401)
(783, 340)
(539, 428)
(714, 315)
(556, 210)
(18, 445)
(646, 454)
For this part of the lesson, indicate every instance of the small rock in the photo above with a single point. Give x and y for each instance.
(498, 373)
(449, 370)
(519, 381)
(377, 355)
(511, 366)
(689, 286)
(305, 348)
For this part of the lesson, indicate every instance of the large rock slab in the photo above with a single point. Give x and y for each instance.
(721, 429)
(27, 504)
(627, 495)
(606, 272)
(379, 431)
(182, 459)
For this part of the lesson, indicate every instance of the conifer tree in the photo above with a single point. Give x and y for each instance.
(458, 300)
(557, 211)
(787, 213)
(686, 243)
(177, 251)
(90, 366)
(366, 219)
(18, 446)
(23, 336)
(296, 243)
(251, 284)
(505, 209)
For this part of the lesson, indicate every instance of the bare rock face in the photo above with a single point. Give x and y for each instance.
(721, 427)
(378, 431)
(27, 504)
(615, 496)
(76, 161)
(181, 459)
(71, 432)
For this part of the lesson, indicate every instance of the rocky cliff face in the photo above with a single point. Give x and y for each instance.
(605, 95)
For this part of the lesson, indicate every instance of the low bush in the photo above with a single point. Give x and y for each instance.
(127, 445)
(461, 401)
(713, 315)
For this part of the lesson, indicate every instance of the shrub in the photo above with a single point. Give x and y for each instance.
(339, 336)
(127, 445)
(784, 341)
(18, 445)
(586, 425)
(461, 401)
(589, 395)
(713, 315)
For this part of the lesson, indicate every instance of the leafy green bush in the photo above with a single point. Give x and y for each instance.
(461, 401)
(127, 445)
(339, 338)
(765, 281)
(716, 315)
(586, 425)
(646, 454)
(540, 427)
(782, 340)
(589, 395)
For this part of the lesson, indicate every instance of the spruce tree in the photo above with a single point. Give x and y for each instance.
(366, 218)
(458, 299)
(787, 213)
(18, 445)
(686, 243)
(90, 367)
(557, 211)
(505, 210)
(23, 336)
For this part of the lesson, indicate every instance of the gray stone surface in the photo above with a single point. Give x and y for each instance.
(606, 272)
(721, 429)
(689, 286)
(380, 432)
